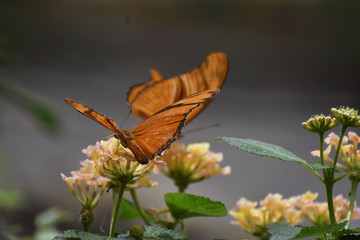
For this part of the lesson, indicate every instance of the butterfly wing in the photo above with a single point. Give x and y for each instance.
(156, 95)
(156, 133)
(98, 117)
(134, 90)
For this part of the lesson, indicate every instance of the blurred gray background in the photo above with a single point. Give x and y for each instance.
(288, 60)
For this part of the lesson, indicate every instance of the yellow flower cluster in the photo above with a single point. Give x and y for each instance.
(317, 212)
(255, 220)
(349, 153)
(191, 164)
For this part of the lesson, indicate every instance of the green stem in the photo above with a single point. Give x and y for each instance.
(329, 196)
(346, 174)
(183, 226)
(321, 136)
(86, 227)
(343, 129)
(354, 185)
(117, 196)
(329, 178)
(138, 206)
(182, 222)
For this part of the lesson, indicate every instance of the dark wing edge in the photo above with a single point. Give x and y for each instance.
(89, 112)
(182, 122)
(210, 95)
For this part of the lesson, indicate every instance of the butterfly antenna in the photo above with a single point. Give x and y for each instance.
(203, 128)
(112, 135)
(126, 118)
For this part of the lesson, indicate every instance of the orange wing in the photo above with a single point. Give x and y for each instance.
(154, 134)
(98, 117)
(146, 99)
(134, 90)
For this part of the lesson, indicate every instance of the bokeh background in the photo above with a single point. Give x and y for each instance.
(288, 60)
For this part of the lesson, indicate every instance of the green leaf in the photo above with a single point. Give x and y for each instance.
(346, 233)
(319, 166)
(128, 211)
(69, 234)
(157, 233)
(317, 231)
(282, 231)
(263, 149)
(183, 205)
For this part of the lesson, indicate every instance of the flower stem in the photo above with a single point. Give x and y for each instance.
(183, 226)
(328, 179)
(329, 196)
(182, 189)
(354, 185)
(86, 227)
(343, 129)
(138, 206)
(321, 135)
(117, 196)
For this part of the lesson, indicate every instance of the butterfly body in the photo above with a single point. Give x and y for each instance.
(152, 136)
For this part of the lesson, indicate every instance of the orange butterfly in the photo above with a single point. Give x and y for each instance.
(154, 134)
(146, 99)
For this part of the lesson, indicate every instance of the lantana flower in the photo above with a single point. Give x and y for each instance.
(190, 164)
(347, 116)
(255, 220)
(349, 153)
(317, 212)
(110, 164)
(274, 208)
(111, 160)
(320, 123)
(88, 192)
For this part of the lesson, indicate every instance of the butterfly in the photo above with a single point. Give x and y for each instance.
(155, 134)
(148, 98)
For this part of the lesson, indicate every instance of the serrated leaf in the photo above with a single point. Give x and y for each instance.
(346, 232)
(69, 234)
(183, 205)
(264, 149)
(128, 211)
(316, 231)
(319, 166)
(282, 231)
(157, 233)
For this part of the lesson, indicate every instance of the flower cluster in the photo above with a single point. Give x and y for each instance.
(191, 164)
(348, 153)
(255, 220)
(87, 193)
(320, 123)
(111, 163)
(318, 213)
(347, 116)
